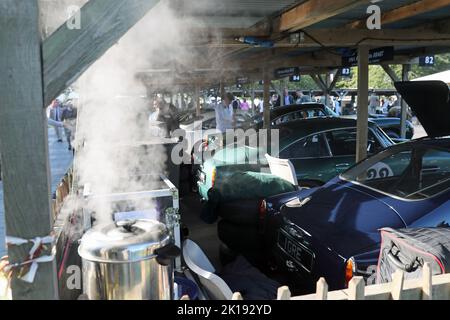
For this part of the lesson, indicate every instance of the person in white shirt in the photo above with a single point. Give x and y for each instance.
(374, 103)
(337, 106)
(225, 113)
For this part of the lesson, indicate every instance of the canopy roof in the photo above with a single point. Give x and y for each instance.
(440, 76)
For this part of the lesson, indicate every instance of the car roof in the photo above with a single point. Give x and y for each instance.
(296, 129)
(440, 142)
(278, 111)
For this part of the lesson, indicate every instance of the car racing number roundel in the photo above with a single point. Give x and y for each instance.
(379, 170)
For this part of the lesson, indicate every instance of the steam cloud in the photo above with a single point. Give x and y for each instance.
(108, 124)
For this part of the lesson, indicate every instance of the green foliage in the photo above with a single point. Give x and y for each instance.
(378, 79)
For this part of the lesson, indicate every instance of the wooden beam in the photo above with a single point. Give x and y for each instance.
(405, 12)
(314, 11)
(437, 34)
(68, 53)
(362, 112)
(24, 143)
(390, 72)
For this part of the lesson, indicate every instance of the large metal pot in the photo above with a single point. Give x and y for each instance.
(128, 260)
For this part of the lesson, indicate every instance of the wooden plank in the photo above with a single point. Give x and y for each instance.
(362, 112)
(411, 290)
(437, 34)
(314, 11)
(283, 293)
(23, 144)
(321, 289)
(405, 12)
(68, 53)
(356, 289)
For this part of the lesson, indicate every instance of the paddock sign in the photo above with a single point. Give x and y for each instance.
(286, 72)
(375, 56)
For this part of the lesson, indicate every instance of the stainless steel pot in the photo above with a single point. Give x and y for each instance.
(128, 260)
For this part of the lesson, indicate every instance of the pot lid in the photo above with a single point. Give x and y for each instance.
(124, 241)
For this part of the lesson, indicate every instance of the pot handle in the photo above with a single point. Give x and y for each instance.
(165, 255)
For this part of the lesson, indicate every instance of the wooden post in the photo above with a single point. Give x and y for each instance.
(356, 289)
(363, 97)
(222, 89)
(197, 99)
(427, 287)
(24, 143)
(237, 296)
(283, 293)
(266, 99)
(328, 90)
(322, 289)
(404, 112)
(397, 285)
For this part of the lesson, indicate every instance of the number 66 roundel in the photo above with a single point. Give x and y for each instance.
(379, 170)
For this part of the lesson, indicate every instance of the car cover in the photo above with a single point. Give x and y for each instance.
(243, 185)
(408, 250)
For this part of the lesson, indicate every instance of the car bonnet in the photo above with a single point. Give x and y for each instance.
(431, 103)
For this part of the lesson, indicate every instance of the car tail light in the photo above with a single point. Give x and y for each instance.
(213, 177)
(262, 209)
(350, 268)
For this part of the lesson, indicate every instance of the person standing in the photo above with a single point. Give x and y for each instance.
(374, 103)
(337, 106)
(225, 113)
(287, 98)
(69, 116)
(55, 115)
(244, 105)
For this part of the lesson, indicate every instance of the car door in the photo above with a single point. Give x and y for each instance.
(311, 158)
(342, 144)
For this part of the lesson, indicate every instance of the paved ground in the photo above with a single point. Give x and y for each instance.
(205, 235)
(60, 161)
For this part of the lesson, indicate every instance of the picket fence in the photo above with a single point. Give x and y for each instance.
(426, 288)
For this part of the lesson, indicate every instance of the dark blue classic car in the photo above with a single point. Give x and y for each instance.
(333, 231)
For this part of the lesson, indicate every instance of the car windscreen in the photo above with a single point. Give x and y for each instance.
(410, 172)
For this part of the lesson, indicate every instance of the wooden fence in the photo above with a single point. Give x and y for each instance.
(426, 288)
